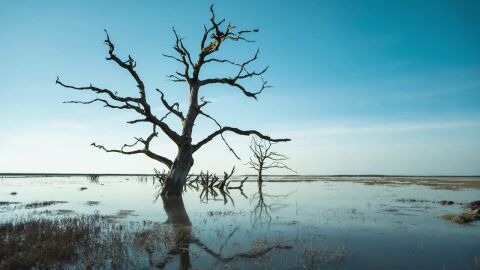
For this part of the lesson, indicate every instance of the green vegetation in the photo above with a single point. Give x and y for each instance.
(466, 217)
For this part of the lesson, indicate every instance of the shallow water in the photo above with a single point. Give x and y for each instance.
(328, 224)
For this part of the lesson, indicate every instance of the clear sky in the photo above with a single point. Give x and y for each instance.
(380, 87)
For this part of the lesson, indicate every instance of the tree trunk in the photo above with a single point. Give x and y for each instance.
(260, 179)
(177, 176)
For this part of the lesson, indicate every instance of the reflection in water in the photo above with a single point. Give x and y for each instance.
(211, 187)
(94, 178)
(261, 213)
(178, 219)
(328, 222)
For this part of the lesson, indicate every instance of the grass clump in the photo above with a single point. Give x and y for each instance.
(221, 213)
(42, 243)
(124, 214)
(472, 214)
(324, 255)
(464, 218)
(42, 204)
(92, 203)
(78, 242)
(8, 203)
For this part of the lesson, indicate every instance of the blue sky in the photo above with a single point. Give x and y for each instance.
(388, 87)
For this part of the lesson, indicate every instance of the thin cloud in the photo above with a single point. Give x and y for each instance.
(379, 129)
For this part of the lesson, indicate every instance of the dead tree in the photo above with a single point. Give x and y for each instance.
(264, 158)
(215, 36)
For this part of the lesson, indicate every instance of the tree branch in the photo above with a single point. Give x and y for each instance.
(232, 82)
(237, 131)
(144, 109)
(145, 150)
(171, 108)
(129, 65)
(106, 104)
(243, 73)
(110, 93)
(221, 135)
(185, 57)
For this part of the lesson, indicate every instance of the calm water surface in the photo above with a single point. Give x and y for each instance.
(328, 224)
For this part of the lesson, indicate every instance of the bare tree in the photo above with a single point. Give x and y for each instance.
(214, 37)
(264, 158)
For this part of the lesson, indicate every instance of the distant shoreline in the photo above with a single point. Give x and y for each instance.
(250, 175)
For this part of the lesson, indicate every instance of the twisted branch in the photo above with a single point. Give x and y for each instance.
(145, 150)
(174, 108)
(140, 104)
(221, 135)
(237, 131)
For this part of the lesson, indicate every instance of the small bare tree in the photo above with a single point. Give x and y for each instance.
(215, 36)
(264, 158)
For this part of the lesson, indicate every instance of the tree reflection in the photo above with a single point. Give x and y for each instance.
(94, 178)
(178, 219)
(261, 213)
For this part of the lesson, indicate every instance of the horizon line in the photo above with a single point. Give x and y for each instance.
(271, 175)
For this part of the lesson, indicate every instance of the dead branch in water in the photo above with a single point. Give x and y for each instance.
(211, 186)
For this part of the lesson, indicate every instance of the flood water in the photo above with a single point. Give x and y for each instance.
(329, 223)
